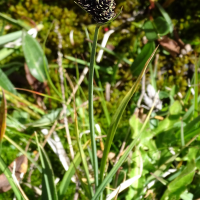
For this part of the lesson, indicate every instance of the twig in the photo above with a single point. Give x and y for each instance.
(59, 61)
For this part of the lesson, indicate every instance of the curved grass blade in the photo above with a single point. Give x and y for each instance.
(48, 186)
(19, 23)
(117, 116)
(142, 58)
(39, 93)
(126, 153)
(27, 103)
(24, 152)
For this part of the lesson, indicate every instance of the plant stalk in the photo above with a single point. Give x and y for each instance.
(91, 114)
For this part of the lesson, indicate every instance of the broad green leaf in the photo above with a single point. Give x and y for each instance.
(192, 154)
(142, 58)
(6, 84)
(2, 116)
(8, 175)
(187, 196)
(137, 186)
(48, 185)
(168, 122)
(35, 58)
(175, 108)
(10, 37)
(150, 31)
(117, 117)
(163, 95)
(162, 26)
(135, 125)
(178, 186)
(166, 16)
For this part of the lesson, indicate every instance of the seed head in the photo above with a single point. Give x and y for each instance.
(101, 10)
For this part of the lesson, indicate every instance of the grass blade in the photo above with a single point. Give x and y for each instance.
(24, 152)
(68, 175)
(8, 175)
(48, 186)
(19, 23)
(82, 154)
(117, 116)
(126, 153)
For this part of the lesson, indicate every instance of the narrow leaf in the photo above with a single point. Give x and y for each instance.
(67, 177)
(19, 23)
(8, 174)
(102, 186)
(10, 37)
(48, 186)
(117, 117)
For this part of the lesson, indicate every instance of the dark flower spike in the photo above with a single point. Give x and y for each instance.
(101, 10)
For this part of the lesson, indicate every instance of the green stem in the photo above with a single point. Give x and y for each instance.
(103, 102)
(91, 115)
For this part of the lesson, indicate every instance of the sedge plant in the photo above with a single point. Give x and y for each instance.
(103, 13)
